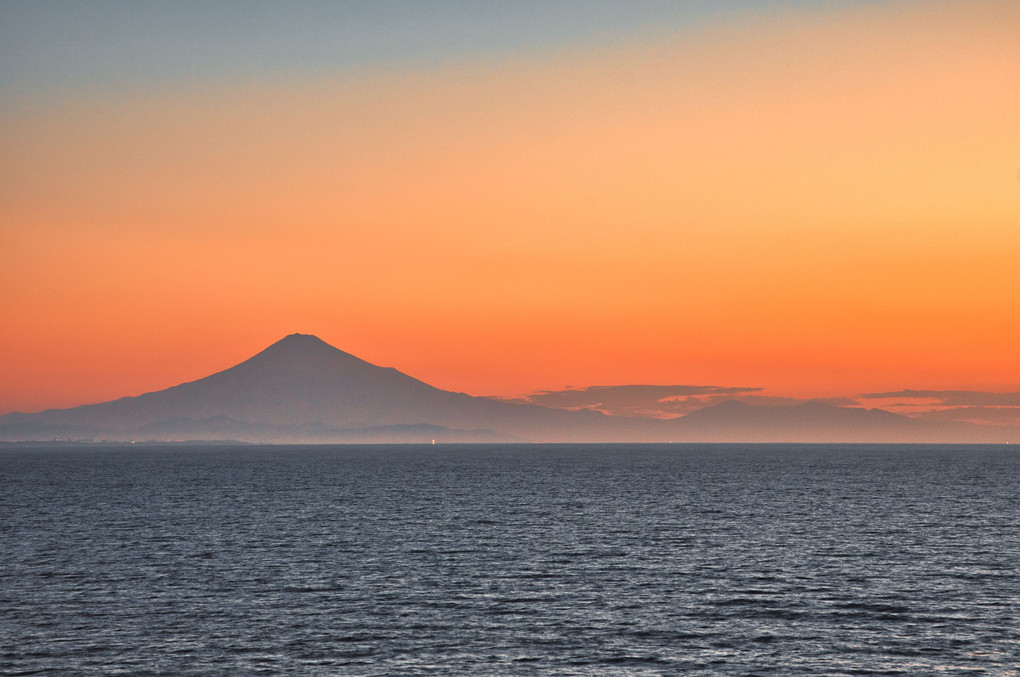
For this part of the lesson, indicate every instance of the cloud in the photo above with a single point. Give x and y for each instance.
(673, 401)
(663, 401)
(777, 401)
(657, 401)
(981, 415)
(951, 398)
(969, 406)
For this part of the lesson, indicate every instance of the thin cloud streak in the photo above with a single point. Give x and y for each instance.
(656, 401)
(663, 401)
(969, 406)
(980, 415)
(952, 398)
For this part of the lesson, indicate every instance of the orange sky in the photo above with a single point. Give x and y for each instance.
(816, 202)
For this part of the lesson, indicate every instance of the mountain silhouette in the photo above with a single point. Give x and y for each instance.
(301, 389)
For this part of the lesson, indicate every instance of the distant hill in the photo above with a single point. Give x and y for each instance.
(301, 389)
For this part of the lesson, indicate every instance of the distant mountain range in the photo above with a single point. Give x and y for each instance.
(302, 390)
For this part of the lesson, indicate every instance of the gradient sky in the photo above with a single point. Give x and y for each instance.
(812, 198)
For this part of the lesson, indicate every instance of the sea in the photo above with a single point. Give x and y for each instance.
(510, 560)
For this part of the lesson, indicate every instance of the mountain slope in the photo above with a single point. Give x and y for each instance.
(302, 388)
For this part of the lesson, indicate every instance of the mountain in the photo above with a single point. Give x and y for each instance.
(302, 390)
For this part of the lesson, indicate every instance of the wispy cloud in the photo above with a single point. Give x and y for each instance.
(659, 401)
(971, 406)
(671, 401)
(952, 398)
(978, 415)
(663, 401)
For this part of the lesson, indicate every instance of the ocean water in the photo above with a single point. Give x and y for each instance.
(510, 560)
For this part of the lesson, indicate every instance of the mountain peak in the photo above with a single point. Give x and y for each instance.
(301, 339)
(303, 349)
(302, 343)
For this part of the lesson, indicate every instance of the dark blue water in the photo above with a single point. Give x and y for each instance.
(515, 560)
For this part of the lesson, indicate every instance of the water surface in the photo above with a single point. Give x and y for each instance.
(515, 560)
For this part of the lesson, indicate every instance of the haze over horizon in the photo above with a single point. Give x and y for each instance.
(555, 202)
(301, 390)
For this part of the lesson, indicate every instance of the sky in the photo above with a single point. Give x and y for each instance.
(775, 199)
